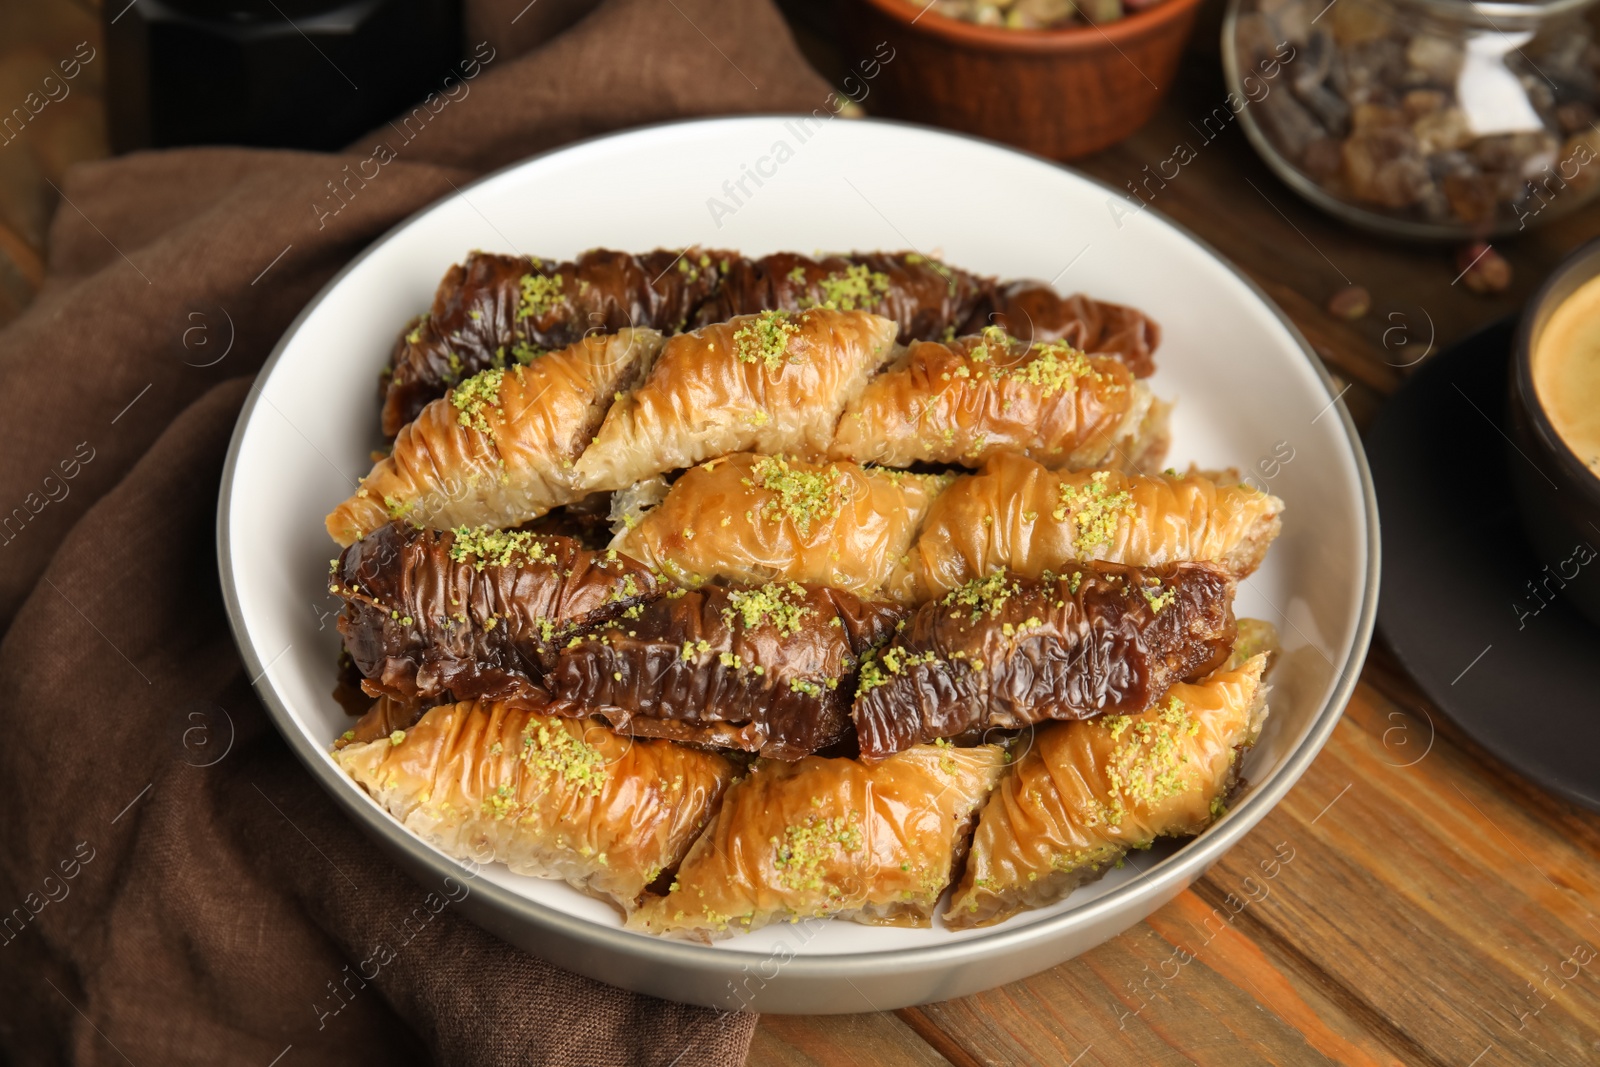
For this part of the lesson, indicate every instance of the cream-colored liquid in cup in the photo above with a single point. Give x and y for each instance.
(1566, 372)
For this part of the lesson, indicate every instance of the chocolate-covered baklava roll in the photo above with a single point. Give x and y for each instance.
(1006, 651)
(469, 613)
(1036, 312)
(769, 669)
(924, 297)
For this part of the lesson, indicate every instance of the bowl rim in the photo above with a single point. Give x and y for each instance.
(1175, 872)
(1093, 37)
(1585, 260)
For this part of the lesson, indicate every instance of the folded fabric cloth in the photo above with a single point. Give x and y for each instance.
(173, 887)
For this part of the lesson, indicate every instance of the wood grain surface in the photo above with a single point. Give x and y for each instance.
(1436, 910)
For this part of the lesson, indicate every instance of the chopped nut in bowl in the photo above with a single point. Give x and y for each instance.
(1037, 14)
(1424, 118)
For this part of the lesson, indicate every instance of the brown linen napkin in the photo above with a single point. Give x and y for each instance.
(173, 887)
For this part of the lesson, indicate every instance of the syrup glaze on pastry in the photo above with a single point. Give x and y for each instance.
(497, 310)
(1005, 652)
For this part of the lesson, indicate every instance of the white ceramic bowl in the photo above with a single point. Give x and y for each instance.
(1249, 392)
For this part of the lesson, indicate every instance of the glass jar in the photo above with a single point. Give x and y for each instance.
(1422, 118)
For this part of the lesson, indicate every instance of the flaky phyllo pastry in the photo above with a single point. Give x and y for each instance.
(1084, 793)
(772, 383)
(974, 397)
(549, 797)
(500, 448)
(1018, 515)
(829, 838)
(750, 518)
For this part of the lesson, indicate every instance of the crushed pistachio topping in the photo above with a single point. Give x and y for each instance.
(797, 275)
(853, 288)
(541, 294)
(1094, 509)
(803, 852)
(474, 395)
(800, 495)
(524, 353)
(500, 803)
(398, 509)
(765, 339)
(982, 595)
(1146, 768)
(550, 750)
(771, 604)
(497, 547)
(626, 591)
(1160, 599)
(397, 737)
(879, 667)
(1055, 367)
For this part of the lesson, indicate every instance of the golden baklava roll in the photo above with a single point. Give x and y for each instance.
(773, 382)
(749, 518)
(965, 400)
(500, 448)
(1084, 793)
(548, 797)
(1017, 515)
(829, 838)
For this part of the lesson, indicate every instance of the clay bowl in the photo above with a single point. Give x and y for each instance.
(1060, 93)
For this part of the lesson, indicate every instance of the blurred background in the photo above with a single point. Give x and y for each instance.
(36, 36)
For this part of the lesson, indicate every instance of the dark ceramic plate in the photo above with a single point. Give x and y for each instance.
(1464, 603)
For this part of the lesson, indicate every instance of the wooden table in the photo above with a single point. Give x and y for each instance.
(1433, 899)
